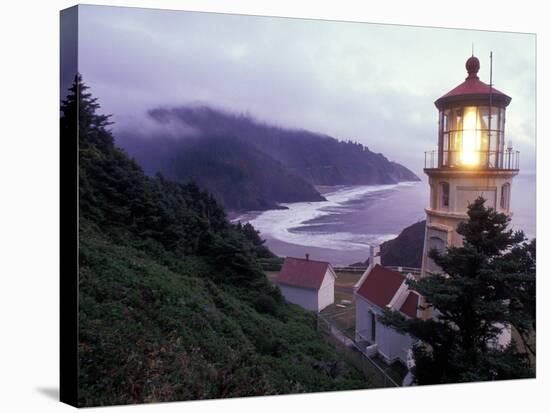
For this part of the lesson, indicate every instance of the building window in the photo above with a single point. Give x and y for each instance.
(372, 327)
(433, 197)
(505, 196)
(444, 186)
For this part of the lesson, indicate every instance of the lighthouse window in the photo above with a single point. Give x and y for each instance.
(505, 196)
(471, 136)
(444, 194)
(501, 120)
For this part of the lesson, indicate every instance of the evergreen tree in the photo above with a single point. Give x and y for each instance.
(253, 235)
(485, 285)
(79, 110)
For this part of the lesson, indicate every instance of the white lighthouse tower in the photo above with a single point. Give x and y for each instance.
(472, 160)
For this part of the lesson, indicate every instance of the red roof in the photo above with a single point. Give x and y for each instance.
(473, 88)
(410, 305)
(304, 273)
(472, 85)
(381, 285)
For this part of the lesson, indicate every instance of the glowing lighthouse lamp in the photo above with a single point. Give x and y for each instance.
(471, 137)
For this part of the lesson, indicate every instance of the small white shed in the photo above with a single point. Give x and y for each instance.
(308, 283)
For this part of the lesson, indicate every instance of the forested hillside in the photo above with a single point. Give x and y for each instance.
(294, 159)
(238, 175)
(173, 303)
(406, 249)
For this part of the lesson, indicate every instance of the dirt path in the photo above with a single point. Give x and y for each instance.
(343, 289)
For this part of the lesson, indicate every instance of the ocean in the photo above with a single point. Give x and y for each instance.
(341, 229)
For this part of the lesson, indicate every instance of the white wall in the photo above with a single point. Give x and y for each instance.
(313, 300)
(361, 317)
(391, 344)
(305, 298)
(326, 292)
(466, 189)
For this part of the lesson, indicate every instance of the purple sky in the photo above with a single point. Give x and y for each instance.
(368, 82)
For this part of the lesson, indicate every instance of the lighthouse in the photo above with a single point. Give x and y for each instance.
(472, 159)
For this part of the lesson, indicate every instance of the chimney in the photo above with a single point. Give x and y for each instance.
(307, 257)
(374, 256)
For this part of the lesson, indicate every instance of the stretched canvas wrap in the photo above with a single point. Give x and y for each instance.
(264, 205)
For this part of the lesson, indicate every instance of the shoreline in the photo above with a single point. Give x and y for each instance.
(234, 216)
(326, 230)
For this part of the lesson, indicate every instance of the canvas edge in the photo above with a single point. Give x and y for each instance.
(68, 259)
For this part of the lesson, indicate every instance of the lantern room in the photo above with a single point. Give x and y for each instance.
(471, 127)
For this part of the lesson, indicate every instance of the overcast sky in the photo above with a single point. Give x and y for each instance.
(367, 82)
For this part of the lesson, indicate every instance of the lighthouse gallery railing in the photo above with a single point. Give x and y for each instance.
(506, 160)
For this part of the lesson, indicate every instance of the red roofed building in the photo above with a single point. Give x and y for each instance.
(308, 283)
(382, 288)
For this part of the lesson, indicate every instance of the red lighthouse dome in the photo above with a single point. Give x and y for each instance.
(473, 91)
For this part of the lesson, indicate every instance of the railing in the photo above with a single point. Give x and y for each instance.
(405, 270)
(350, 269)
(359, 269)
(506, 160)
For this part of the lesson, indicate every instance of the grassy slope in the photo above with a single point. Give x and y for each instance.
(149, 333)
